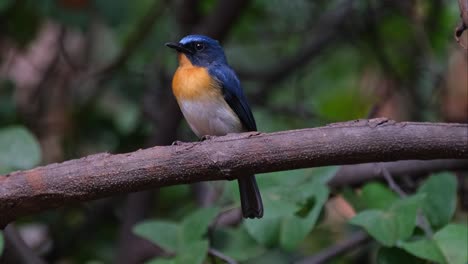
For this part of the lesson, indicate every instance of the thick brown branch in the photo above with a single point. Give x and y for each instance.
(101, 175)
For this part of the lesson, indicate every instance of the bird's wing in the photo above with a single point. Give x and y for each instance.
(233, 94)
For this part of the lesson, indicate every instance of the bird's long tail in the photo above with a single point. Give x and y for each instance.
(251, 201)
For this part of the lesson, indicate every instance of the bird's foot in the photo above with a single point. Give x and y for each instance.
(177, 143)
(206, 137)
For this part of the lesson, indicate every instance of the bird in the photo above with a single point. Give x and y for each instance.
(213, 103)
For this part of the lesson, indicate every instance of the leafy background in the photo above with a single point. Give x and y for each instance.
(79, 77)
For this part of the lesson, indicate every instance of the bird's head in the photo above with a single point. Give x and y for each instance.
(200, 50)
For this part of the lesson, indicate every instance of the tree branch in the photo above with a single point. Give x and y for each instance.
(358, 174)
(220, 255)
(229, 157)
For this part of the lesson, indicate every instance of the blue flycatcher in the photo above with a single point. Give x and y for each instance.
(212, 101)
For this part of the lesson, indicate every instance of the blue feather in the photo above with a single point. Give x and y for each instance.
(233, 94)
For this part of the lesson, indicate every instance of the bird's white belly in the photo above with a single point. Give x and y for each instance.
(210, 117)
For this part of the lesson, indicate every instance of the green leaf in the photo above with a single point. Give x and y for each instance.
(291, 211)
(425, 249)
(441, 197)
(295, 228)
(265, 231)
(372, 196)
(377, 196)
(236, 243)
(194, 253)
(164, 234)
(18, 148)
(1, 243)
(452, 241)
(394, 255)
(447, 246)
(195, 225)
(176, 237)
(396, 223)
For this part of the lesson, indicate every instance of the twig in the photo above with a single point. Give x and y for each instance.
(16, 248)
(391, 183)
(423, 223)
(356, 240)
(220, 255)
(230, 217)
(421, 220)
(357, 174)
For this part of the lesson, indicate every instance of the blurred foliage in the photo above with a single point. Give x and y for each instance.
(185, 239)
(18, 149)
(447, 246)
(441, 198)
(383, 50)
(1, 243)
(395, 225)
(294, 208)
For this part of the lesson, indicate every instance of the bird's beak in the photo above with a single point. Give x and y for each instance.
(179, 47)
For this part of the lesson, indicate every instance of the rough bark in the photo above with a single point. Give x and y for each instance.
(235, 155)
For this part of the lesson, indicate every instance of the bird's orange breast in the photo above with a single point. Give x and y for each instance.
(192, 82)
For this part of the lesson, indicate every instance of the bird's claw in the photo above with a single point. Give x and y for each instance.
(177, 143)
(206, 137)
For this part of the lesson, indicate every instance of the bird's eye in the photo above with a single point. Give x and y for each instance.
(199, 46)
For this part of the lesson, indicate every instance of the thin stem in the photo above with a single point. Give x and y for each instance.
(357, 239)
(218, 254)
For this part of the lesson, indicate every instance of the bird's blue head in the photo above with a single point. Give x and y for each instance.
(200, 50)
